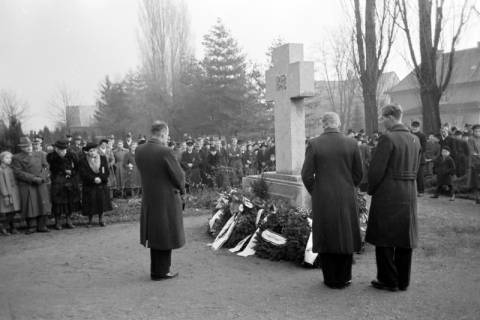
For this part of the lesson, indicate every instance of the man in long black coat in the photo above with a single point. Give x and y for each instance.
(392, 222)
(331, 171)
(163, 183)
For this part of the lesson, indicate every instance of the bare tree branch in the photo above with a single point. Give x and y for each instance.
(11, 106)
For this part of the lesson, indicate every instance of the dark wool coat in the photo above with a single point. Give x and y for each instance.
(95, 197)
(64, 189)
(163, 183)
(35, 198)
(462, 157)
(422, 138)
(392, 221)
(192, 174)
(331, 170)
(8, 189)
(444, 168)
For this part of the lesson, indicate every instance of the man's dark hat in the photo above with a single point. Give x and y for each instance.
(446, 148)
(78, 138)
(89, 146)
(61, 144)
(24, 142)
(213, 148)
(476, 126)
(415, 124)
(103, 140)
(189, 143)
(68, 135)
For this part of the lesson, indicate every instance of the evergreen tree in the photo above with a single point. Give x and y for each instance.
(13, 134)
(113, 114)
(225, 79)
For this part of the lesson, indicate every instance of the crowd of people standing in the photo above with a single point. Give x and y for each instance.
(74, 175)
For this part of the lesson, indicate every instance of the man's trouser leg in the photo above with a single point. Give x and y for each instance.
(160, 262)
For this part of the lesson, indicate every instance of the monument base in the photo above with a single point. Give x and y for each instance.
(286, 186)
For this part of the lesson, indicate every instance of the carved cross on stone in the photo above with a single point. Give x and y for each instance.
(288, 82)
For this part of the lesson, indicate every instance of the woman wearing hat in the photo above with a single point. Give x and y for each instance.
(65, 192)
(95, 193)
(31, 171)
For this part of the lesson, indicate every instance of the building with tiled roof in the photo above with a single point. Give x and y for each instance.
(460, 103)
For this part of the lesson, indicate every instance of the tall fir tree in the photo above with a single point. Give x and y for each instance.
(225, 82)
(113, 114)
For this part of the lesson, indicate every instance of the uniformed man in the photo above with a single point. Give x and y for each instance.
(31, 171)
(190, 163)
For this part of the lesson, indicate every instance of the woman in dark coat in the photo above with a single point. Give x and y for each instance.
(330, 173)
(95, 194)
(65, 192)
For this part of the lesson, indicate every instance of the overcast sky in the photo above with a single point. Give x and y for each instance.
(45, 44)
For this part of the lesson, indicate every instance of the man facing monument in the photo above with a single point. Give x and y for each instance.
(331, 171)
(163, 183)
(392, 222)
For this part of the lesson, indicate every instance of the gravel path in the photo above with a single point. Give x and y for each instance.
(104, 274)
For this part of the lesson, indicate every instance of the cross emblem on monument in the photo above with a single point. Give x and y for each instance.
(288, 82)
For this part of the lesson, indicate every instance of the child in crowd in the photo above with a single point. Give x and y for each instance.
(444, 168)
(9, 195)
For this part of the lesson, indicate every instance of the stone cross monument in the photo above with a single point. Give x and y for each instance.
(288, 82)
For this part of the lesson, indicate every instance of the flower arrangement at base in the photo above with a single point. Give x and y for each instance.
(290, 224)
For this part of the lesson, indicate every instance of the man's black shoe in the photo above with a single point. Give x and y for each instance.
(338, 285)
(43, 230)
(382, 286)
(167, 276)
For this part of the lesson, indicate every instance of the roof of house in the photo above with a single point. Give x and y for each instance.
(466, 69)
(473, 106)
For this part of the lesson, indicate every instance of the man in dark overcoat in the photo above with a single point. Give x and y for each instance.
(392, 221)
(65, 191)
(31, 170)
(163, 183)
(331, 172)
(422, 138)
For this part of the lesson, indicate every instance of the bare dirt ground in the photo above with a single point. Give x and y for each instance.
(103, 273)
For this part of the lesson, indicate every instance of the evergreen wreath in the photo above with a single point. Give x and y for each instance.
(292, 225)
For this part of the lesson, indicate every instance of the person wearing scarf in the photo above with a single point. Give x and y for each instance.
(95, 194)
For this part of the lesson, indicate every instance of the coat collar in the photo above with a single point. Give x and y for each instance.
(399, 127)
(331, 130)
(154, 140)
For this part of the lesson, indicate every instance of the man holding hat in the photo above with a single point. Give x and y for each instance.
(31, 171)
(65, 192)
